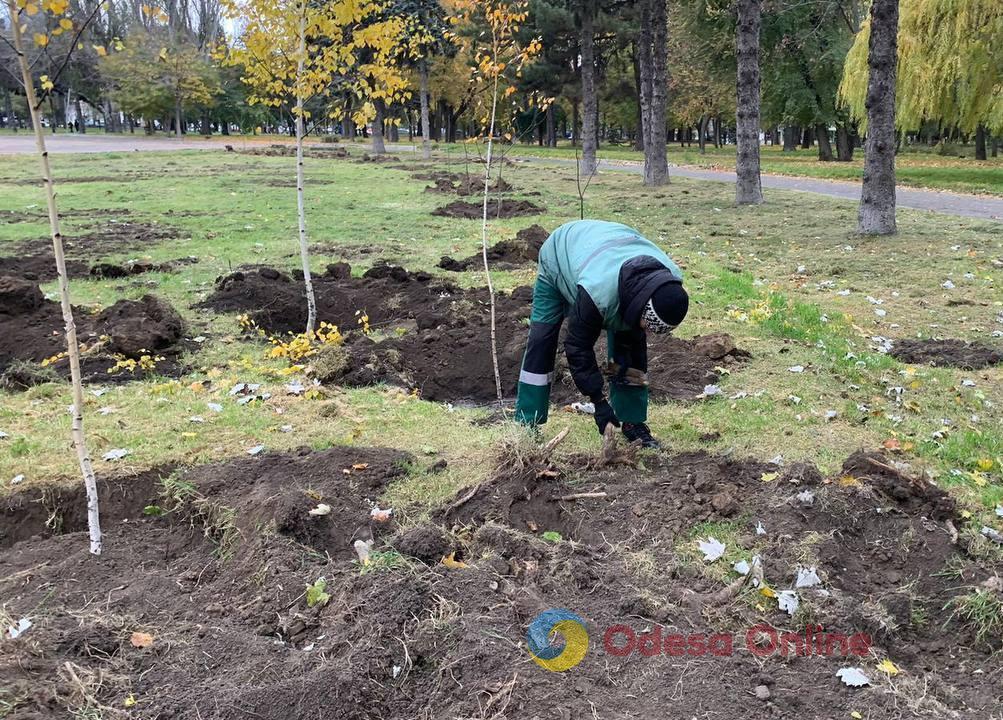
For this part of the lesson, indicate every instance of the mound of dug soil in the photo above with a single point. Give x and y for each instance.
(34, 259)
(387, 293)
(947, 353)
(31, 330)
(196, 603)
(504, 255)
(280, 150)
(504, 208)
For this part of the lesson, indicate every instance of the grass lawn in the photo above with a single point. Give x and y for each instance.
(775, 277)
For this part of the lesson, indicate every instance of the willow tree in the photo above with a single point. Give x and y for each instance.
(292, 52)
(949, 66)
(46, 19)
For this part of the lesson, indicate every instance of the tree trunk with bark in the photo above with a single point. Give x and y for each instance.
(653, 61)
(426, 130)
(807, 136)
(844, 143)
(748, 188)
(980, 143)
(704, 119)
(551, 125)
(790, 138)
(590, 100)
(877, 199)
(178, 115)
(72, 347)
(824, 146)
(379, 146)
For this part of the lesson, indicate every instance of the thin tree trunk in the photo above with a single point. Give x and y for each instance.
(426, 130)
(551, 125)
(177, 115)
(575, 128)
(379, 147)
(590, 101)
(73, 349)
(484, 233)
(824, 146)
(311, 300)
(748, 188)
(980, 142)
(704, 119)
(877, 199)
(717, 131)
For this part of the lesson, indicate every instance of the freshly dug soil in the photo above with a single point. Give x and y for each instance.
(275, 301)
(34, 259)
(437, 336)
(507, 254)
(504, 208)
(947, 353)
(218, 588)
(279, 150)
(31, 330)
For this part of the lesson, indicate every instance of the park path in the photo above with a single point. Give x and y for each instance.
(985, 207)
(947, 203)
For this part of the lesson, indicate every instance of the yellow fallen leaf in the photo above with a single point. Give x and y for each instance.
(887, 666)
(452, 563)
(130, 701)
(856, 716)
(141, 639)
(985, 464)
(849, 481)
(769, 476)
(360, 466)
(41, 39)
(965, 514)
(767, 591)
(189, 435)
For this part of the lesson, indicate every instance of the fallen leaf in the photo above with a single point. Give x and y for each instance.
(853, 677)
(892, 444)
(769, 476)
(887, 666)
(767, 591)
(360, 466)
(130, 701)
(848, 481)
(712, 549)
(856, 716)
(321, 510)
(452, 563)
(141, 639)
(315, 594)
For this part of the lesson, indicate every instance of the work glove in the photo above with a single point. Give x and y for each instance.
(604, 416)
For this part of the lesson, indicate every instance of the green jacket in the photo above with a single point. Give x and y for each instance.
(591, 254)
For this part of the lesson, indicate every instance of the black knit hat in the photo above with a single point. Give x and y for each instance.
(669, 303)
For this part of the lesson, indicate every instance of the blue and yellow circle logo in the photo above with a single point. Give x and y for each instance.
(553, 656)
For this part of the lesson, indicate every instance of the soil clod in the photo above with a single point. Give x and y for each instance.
(947, 353)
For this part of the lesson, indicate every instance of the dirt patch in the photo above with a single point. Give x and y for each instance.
(386, 293)
(522, 250)
(219, 586)
(462, 185)
(31, 331)
(34, 259)
(278, 150)
(504, 208)
(138, 267)
(429, 335)
(947, 353)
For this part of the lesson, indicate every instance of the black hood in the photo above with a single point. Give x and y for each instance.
(639, 278)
